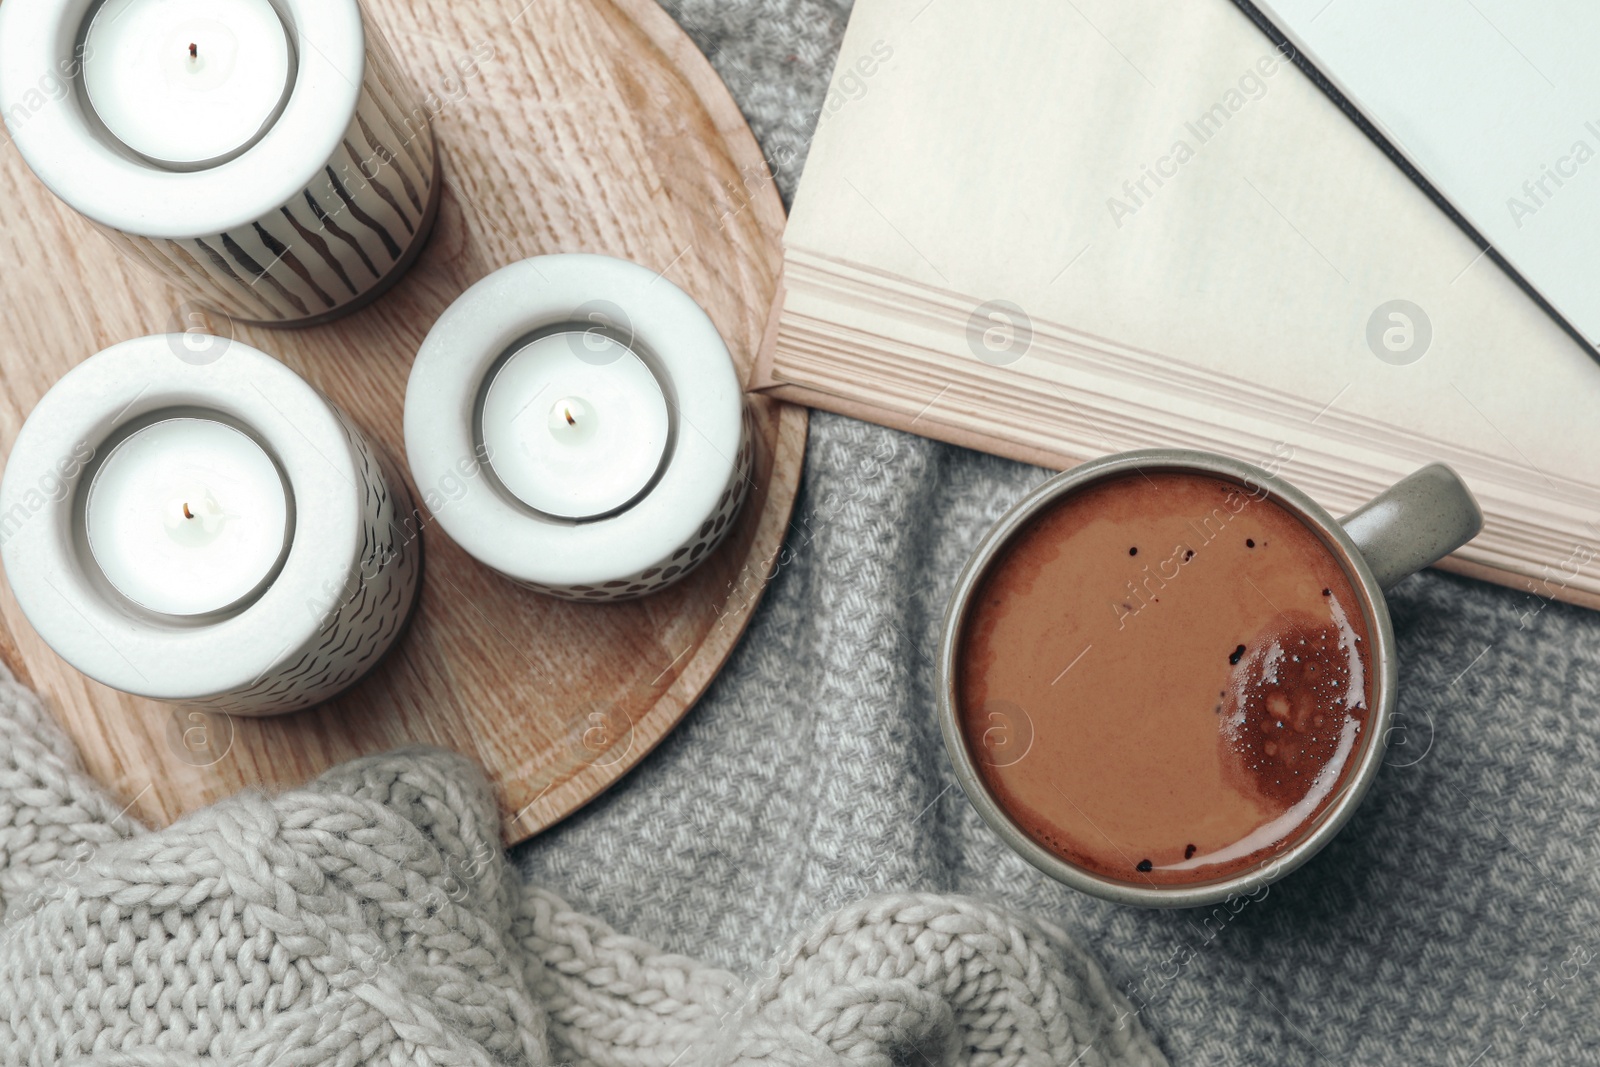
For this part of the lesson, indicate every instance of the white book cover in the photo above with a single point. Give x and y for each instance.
(1497, 104)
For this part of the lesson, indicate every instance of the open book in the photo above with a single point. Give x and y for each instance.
(1054, 230)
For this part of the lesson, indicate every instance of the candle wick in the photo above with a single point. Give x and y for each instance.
(194, 50)
(186, 512)
(568, 413)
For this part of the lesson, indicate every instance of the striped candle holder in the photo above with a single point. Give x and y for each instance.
(313, 220)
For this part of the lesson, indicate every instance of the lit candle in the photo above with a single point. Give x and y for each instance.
(188, 516)
(187, 82)
(575, 435)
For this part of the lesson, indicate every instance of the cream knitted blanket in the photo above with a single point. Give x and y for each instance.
(371, 918)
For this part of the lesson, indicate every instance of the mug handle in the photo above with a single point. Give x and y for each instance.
(1414, 523)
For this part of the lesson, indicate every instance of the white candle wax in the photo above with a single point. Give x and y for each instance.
(187, 81)
(575, 425)
(188, 516)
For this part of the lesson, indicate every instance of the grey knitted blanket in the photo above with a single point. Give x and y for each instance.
(1453, 922)
(371, 918)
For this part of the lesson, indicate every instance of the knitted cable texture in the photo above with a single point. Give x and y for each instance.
(371, 918)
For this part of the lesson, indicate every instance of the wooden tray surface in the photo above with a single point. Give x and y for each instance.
(565, 126)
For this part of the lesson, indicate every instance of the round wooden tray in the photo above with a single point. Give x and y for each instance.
(565, 126)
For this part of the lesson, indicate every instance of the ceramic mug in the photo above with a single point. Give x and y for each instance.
(1414, 523)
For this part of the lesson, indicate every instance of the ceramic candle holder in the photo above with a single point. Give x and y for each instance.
(575, 422)
(309, 217)
(314, 575)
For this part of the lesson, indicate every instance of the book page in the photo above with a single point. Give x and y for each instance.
(1157, 177)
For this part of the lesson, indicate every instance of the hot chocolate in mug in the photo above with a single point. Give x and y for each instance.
(1166, 677)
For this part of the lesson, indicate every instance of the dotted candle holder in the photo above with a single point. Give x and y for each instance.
(347, 584)
(704, 477)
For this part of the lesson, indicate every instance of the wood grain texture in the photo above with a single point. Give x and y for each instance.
(565, 126)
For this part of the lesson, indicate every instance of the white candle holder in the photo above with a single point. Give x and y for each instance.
(312, 218)
(598, 305)
(336, 601)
